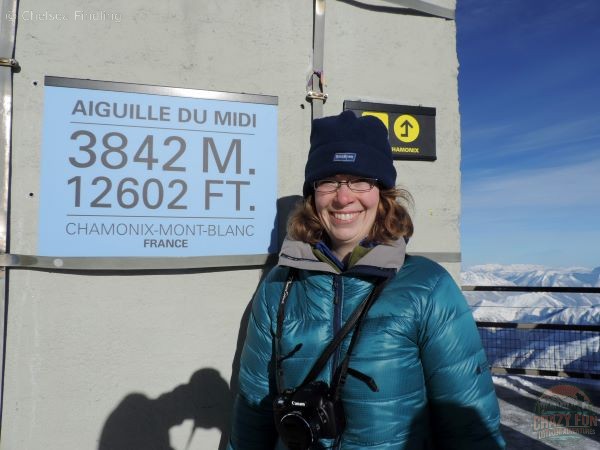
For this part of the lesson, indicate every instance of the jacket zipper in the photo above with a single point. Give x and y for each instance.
(338, 300)
(337, 319)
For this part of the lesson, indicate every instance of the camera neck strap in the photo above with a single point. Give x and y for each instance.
(278, 333)
(342, 371)
(354, 320)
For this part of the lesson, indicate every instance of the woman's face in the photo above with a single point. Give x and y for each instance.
(346, 216)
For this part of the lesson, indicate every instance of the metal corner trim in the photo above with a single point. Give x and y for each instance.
(426, 7)
(60, 263)
(117, 86)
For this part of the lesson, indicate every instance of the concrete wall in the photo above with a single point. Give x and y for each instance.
(111, 356)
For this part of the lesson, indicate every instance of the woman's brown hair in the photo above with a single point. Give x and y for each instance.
(391, 222)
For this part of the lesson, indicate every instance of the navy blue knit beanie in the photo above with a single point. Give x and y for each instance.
(345, 144)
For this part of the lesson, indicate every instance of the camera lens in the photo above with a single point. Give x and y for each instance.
(296, 432)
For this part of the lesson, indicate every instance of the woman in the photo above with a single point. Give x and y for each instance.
(418, 376)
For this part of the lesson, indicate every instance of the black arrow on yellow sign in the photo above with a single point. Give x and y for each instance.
(406, 125)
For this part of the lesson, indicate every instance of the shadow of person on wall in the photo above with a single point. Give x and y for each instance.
(141, 423)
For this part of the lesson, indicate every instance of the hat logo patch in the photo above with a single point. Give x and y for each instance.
(344, 157)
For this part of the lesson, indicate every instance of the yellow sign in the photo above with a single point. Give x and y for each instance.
(406, 128)
(411, 129)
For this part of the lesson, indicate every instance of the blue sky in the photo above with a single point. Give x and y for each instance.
(529, 92)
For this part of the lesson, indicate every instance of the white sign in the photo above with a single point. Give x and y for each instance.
(131, 170)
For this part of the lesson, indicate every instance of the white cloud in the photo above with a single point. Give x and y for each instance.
(504, 139)
(485, 132)
(563, 133)
(566, 186)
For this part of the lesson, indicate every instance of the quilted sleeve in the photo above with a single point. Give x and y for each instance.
(463, 404)
(252, 423)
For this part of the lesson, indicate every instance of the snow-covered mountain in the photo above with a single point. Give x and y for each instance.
(538, 307)
(531, 275)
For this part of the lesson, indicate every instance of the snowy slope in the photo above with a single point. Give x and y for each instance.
(538, 307)
(537, 349)
(531, 275)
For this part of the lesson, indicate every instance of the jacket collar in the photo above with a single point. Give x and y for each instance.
(382, 260)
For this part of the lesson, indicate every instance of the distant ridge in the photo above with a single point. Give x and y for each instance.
(542, 307)
(530, 275)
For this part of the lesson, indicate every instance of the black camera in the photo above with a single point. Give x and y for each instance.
(308, 413)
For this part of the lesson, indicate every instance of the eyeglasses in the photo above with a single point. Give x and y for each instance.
(355, 185)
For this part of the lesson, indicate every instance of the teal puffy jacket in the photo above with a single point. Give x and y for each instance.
(419, 343)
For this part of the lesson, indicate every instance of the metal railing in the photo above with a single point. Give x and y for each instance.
(543, 349)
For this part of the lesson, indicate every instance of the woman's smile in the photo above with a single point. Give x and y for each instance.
(344, 217)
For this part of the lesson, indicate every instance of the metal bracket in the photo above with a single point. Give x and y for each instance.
(312, 95)
(10, 62)
(316, 95)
